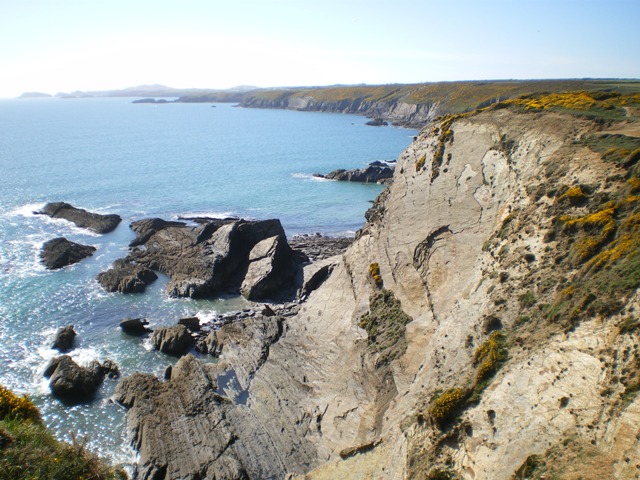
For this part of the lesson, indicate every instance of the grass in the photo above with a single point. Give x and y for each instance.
(385, 326)
(29, 451)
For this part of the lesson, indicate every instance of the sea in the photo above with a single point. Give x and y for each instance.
(109, 155)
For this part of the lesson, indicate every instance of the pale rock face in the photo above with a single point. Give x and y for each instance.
(318, 392)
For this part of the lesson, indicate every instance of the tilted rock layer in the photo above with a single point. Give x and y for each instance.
(468, 239)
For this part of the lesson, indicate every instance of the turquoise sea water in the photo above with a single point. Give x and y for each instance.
(143, 160)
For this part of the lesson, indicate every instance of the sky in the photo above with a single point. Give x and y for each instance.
(56, 46)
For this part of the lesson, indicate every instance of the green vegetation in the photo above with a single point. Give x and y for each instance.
(451, 97)
(385, 325)
(447, 406)
(607, 105)
(29, 451)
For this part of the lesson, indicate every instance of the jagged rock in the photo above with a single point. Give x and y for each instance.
(71, 382)
(187, 427)
(270, 267)
(318, 247)
(192, 323)
(135, 326)
(63, 340)
(174, 340)
(376, 172)
(60, 252)
(204, 260)
(125, 277)
(209, 344)
(81, 218)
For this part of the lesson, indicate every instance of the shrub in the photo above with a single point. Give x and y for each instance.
(374, 272)
(447, 405)
(29, 451)
(14, 407)
(420, 163)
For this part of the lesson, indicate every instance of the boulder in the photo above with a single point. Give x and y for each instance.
(125, 277)
(60, 252)
(70, 381)
(135, 326)
(81, 218)
(192, 323)
(63, 340)
(270, 268)
(174, 340)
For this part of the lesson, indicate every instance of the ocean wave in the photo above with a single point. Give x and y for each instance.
(204, 213)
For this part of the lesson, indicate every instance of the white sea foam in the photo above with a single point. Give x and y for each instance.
(308, 177)
(207, 214)
(26, 210)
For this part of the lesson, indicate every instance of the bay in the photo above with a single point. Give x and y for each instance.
(141, 160)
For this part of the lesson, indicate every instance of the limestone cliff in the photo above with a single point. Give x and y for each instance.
(484, 324)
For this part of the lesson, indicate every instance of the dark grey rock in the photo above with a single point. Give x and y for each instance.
(81, 218)
(135, 326)
(192, 323)
(125, 277)
(376, 172)
(174, 340)
(377, 122)
(71, 382)
(60, 252)
(63, 341)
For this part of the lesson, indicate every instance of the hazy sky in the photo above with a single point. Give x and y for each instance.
(64, 45)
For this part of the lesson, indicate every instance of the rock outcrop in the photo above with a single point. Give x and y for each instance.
(174, 340)
(375, 172)
(74, 383)
(483, 322)
(213, 257)
(82, 218)
(135, 326)
(63, 341)
(60, 252)
(188, 427)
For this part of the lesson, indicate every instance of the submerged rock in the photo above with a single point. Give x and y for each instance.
(81, 218)
(60, 252)
(63, 340)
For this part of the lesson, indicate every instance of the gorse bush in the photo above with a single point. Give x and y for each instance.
(14, 407)
(29, 451)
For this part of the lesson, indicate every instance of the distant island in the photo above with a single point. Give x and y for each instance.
(34, 95)
(151, 100)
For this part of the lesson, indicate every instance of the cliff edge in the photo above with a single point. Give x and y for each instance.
(483, 325)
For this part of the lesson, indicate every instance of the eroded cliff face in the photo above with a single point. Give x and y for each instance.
(395, 111)
(467, 239)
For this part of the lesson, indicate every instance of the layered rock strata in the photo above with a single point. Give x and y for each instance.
(488, 359)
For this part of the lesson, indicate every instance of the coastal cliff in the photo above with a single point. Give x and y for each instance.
(483, 324)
